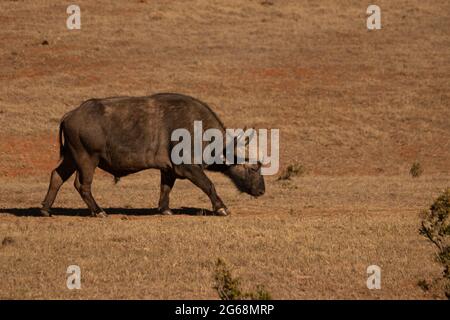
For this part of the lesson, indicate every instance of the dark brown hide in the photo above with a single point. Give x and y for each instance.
(124, 135)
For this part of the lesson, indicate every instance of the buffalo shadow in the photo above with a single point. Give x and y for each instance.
(82, 212)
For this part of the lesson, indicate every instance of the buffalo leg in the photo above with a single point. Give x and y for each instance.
(76, 182)
(63, 172)
(198, 177)
(83, 183)
(167, 182)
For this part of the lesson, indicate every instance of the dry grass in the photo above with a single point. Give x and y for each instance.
(166, 258)
(313, 241)
(357, 108)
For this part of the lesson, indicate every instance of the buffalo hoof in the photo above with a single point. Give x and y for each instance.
(222, 212)
(101, 214)
(167, 212)
(44, 213)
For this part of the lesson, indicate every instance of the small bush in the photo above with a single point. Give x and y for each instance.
(292, 170)
(260, 294)
(416, 169)
(228, 287)
(436, 227)
(424, 285)
(7, 241)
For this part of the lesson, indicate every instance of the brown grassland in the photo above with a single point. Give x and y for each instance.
(355, 107)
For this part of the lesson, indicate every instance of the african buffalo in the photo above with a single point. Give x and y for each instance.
(124, 135)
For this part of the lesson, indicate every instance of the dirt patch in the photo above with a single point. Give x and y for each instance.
(28, 155)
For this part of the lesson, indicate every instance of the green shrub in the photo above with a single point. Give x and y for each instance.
(260, 294)
(436, 227)
(228, 287)
(416, 169)
(424, 285)
(292, 170)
